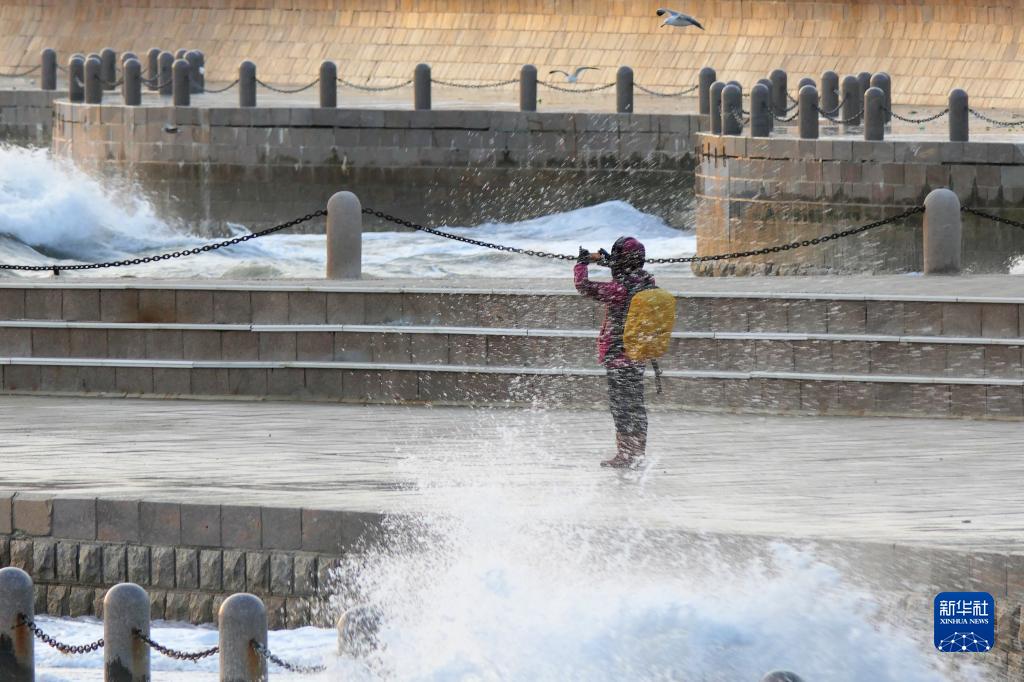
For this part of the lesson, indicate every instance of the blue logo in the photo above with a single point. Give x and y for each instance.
(965, 622)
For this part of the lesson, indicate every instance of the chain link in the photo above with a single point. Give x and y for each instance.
(654, 93)
(46, 639)
(842, 121)
(738, 118)
(784, 119)
(166, 256)
(992, 121)
(155, 83)
(286, 91)
(220, 90)
(290, 667)
(833, 112)
(989, 216)
(474, 86)
(375, 88)
(194, 656)
(792, 99)
(22, 74)
(576, 91)
(907, 119)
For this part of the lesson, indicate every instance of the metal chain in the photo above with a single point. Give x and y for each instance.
(907, 119)
(374, 88)
(576, 91)
(783, 119)
(290, 667)
(986, 119)
(155, 82)
(166, 256)
(792, 245)
(22, 74)
(989, 216)
(833, 112)
(220, 90)
(687, 91)
(843, 121)
(739, 119)
(194, 656)
(46, 639)
(474, 86)
(792, 99)
(285, 91)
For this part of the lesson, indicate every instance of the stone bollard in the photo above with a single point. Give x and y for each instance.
(126, 56)
(716, 107)
(132, 88)
(328, 85)
(192, 57)
(125, 656)
(624, 90)
(357, 631)
(853, 100)
(771, 119)
(959, 116)
(706, 78)
(782, 676)
(48, 76)
(344, 236)
(805, 81)
(780, 86)
(108, 72)
(808, 100)
(874, 114)
(943, 233)
(830, 92)
(180, 54)
(93, 83)
(76, 79)
(528, 88)
(760, 117)
(17, 598)
(732, 110)
(242, 619)
(864, 80)
(199, 75)
(153, 68)
(182, 88)
(247, 84)
(421, 87)
(165, 84)
(883, 82)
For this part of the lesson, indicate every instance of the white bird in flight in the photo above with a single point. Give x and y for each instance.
(678, 19)
(575, 75)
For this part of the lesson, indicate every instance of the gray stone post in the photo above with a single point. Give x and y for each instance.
(17, 655)
(808, 99)
(48, 74)
(830, 91)
(864, 79)
(959, 116)
(166, 82)
(853, 100)
(732, 110)
(706, 78)
(421, 87)
(716, 107)
(76, 79)
(624, 90)
(199, 74)
(771, 119)
(192, 57)
(132, 88)
(528, 88)
(93, 84)
(126, 56)
(182, 90)
(943, 233)
(760, 117)
(780, 86)
(242, 619)
(108, 72)
(781, 676)
(874, 114)
(247, 84)
(153, 67)
(180, 54)
(125, 657)
(328, 85)
(883, 82)
(344, 236)
(805, 81)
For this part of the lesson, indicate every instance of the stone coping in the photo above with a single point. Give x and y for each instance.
(495, 369)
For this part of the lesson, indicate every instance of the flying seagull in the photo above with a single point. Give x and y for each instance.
(575, 75)
(678, 19)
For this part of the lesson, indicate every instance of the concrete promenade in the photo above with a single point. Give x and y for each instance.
(937, 483)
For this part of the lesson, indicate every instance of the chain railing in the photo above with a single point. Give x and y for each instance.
(655, 93)
(739, 118)
(22, 74)
(784, 119)
(67, 649)
(474, 86)
(995, 122)
(992, 217)
(842, 121)
(917, 121)
(575, 91)
(375, 88)
(265, 653)
(286, 91)
(833, 112)
(194, 656)
(216, 91)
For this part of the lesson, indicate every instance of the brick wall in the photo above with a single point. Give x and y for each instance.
(26, 116)
(929, 46)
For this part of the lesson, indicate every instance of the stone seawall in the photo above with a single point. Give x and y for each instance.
(758, 192)
(26, 116)
(260, 166)
(929, 46)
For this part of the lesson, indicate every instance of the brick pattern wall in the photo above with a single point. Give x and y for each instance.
(929, 46)
(26, 116)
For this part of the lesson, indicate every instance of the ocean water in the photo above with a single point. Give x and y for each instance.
(52, 212)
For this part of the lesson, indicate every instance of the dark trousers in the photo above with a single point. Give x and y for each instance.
(626, 397)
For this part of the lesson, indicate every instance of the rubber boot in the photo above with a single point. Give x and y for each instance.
(621, 459)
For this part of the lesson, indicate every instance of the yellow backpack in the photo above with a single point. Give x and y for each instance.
(649, 323)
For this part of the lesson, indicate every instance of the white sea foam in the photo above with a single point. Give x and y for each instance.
(52, 212)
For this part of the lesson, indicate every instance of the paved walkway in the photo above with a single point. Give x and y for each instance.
(940, 483)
